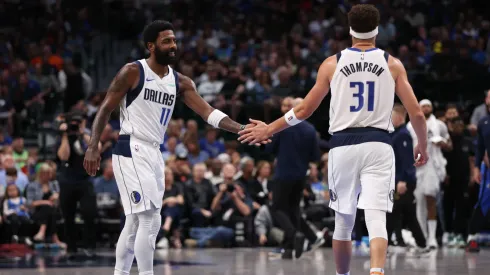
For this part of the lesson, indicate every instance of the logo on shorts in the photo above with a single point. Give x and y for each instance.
(136, 148)
(135, 197)
(333, 195)
(392, 195)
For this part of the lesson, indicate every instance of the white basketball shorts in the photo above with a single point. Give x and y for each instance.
(428, 183)
(361, 176)
(139, 170)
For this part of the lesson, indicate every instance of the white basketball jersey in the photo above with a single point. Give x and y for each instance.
(146, 110)
(363, 91)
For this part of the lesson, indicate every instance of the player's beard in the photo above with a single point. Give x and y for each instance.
(164, 57)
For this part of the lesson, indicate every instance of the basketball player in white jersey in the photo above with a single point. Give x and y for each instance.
(146, 92)
(363, 81)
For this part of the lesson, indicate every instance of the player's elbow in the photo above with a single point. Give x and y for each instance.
(417, 116)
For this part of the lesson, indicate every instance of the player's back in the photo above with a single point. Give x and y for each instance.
(363, 91)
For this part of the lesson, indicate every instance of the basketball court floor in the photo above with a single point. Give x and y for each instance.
(250, 261)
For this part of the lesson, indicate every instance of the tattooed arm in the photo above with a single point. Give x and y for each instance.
(127, 78)
(194, 101)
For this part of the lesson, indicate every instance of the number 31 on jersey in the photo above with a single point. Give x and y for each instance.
(359, 94)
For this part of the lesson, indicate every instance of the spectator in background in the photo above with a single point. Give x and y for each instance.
(246, 174)
(27, 101)
(173, 200)
(210, 144)
(182, 171)
(387, 33)
(231, 199)
(75, 84)
(451, 113)
(303, 81)
(106, 183)
(480, 112)
(214, 174)
(279, 93)
(15, 212)
(7, 110)
(195, 154)
(210, 88)
(258, 187)
(48, 58)
(20, 154)
(192, 129)
(170, 147)
(231, 95)
(21, 179)
(201, 194)
(315, 196)
(42, 200)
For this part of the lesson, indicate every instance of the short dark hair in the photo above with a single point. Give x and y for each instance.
(11, 171)
(451, 106)
(399, 109)
(363, 18)
(151, 31)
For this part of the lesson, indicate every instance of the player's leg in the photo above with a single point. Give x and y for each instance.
(125, 246)
(342, 241)
(377, 197)
(476, 223)
(344, 186)
(144, 246)
(421, 207)
(431, 220)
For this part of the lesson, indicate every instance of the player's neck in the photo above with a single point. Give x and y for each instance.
(363, 44)
(160, 70)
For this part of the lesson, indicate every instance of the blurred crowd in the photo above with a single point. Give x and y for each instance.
(248, 58)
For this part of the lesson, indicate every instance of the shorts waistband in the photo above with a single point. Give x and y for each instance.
(154, 144)
(353, 136)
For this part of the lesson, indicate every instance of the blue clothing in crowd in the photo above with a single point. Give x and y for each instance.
(295, 148)
(403, 148)
(484, 194)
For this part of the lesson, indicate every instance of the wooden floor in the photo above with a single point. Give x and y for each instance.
(251, 261)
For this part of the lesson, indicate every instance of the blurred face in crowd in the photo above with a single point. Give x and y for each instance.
(211, 135)
(216, 167)
(397, 118)
(192, 146)
(173, 129)
(228, 172)
(248, 166)
(265, 170)
(286, 105)
(458, 127)
(192, 126)
(169, 176)
(451, 113)
(313, 171)
(8, 162)
(284, 75)
(198, 172)
(12, 191)
(18, 145)
(108, 171)
(44, 175)
(212, 73)
(23, 80)
(171, 144)
(427, 109)
(164, 49)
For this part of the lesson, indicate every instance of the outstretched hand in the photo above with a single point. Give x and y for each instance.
(255, 133)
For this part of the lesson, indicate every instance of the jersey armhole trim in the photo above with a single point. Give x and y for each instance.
(176, 77)
(338, 56)
(387, 55)
(133, 94)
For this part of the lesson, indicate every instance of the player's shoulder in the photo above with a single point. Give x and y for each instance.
(185, 81)
(132, 68)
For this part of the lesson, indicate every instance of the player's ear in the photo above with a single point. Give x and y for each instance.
(150, 46)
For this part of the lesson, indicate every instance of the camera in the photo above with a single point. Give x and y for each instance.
(73, 121)
(230, 188)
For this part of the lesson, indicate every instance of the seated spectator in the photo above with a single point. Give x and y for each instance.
(257, 189)
(15, 212)
(173, 200)
(42, 200)
(21, 179)
(106, 183)
(170, 147)
(5, 139)
(231, 199)
(182, 169)
(201, 194)
(214, 174)
(210, 88)
(264, 226)
(211, 144)
(191, 128)
(315, 196)
(20, 154)
(195, 155)
(230, 96)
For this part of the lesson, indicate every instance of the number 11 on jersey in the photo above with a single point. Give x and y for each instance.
(164, 117)
(360, 96)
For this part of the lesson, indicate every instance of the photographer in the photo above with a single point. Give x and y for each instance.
(231, 199)
(74, 183)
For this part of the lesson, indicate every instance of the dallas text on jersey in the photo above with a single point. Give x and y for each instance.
(362, 67)
(159, 97)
